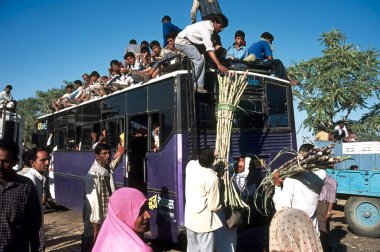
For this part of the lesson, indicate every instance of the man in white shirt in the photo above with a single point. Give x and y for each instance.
(340, 131)
(202, 202)
(39, 161)
(6, 99)
(199, 35)
(300, 191)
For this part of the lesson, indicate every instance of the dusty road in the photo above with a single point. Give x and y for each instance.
(63, 229)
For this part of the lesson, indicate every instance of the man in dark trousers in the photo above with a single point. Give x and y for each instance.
(21, 226)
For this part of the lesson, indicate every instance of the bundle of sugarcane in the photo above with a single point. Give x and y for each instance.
(315, 159)
(231, 87)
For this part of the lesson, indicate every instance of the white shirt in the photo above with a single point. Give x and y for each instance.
(339, 129)
(294, 194)
(38, 181)
(202, 198)
(198, 33)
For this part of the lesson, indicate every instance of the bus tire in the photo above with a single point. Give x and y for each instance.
(362, 215)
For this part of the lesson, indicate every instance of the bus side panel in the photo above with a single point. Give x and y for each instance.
(69, 171)
(162, 192)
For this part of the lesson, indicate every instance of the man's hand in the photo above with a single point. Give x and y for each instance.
(222, 69)
(328, 215)
(276, 178)
(96, 230)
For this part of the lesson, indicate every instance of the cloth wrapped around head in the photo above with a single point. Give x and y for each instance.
(117, 232)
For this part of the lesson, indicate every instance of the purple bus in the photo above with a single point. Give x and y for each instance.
(155, 163)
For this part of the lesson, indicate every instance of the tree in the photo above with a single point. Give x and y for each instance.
(339, 82)
(33, 107)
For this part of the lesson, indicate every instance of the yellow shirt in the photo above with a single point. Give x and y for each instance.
(322, 136)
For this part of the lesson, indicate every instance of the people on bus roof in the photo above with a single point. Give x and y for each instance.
(322, 135)
(167, 28)
(6, 99)
(200, 34)
(263, 51)
(237, 50)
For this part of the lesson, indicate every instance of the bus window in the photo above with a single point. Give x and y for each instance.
(277, 106)
(113, 107)
(114, 128)
(155, 132)
(60, 139)
(250, 114)
(60, 120)
(91, 112)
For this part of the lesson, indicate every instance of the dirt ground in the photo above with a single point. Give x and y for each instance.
(63, 229)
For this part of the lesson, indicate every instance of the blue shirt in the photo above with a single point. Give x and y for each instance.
(167, 28)
(260, 49)
(237, 53)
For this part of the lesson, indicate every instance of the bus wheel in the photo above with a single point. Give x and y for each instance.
(363, 215)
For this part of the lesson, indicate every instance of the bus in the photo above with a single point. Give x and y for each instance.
(263, 125)
(11, 129)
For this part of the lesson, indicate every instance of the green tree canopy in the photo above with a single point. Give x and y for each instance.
(339, 82)
(33, 107)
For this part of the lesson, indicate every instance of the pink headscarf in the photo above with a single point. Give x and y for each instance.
(116, 233)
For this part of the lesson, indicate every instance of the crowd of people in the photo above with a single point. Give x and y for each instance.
(340, 133)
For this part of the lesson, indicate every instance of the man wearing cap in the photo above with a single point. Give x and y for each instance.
(237, 50)
(6, 99)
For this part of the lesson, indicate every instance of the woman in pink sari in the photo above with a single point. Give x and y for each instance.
(127, 216)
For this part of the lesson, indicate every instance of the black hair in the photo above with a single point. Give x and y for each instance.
(10, 146)
(114, 62)
(9, 87)
(206, 157)
(215, 38)
(340, 122)
(354, 167)
(95, 73)
(172, 35)
(78, 82)
(166, 18)
(154, 43)
(144, 49)
(129, 54)
(240, 33)
(101, 146)
(133, 42)
(144, 43)
(267, 35)
(305, 148)
(85, 74)
(33, 152)
(218, 18)
(69, 86)
(321, 127)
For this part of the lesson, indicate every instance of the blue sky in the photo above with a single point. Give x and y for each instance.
(44, 42)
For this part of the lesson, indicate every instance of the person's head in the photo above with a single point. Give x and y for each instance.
(115, 66)
(94, 76)
(321, 128)
(219, 21)
(130, 206)
(215, 39)
(69, 88)
(144, 50)
(144, 43)
(133, 42)
(166, 19)
(8, 88)
(170, 38)
(78, 83)
(39, 159)
(354, 167)
(103, 154)
(239, 37)
(240, 165)
(341, 124)
(129, 58)
(8, 158)
(155, 46)
(206, 157)
(305, 148)
(86, 77)
(268, 37)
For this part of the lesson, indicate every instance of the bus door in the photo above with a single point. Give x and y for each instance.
(137, 148)
(161, 177)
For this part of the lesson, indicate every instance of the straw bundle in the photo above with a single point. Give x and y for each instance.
(316, 158)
